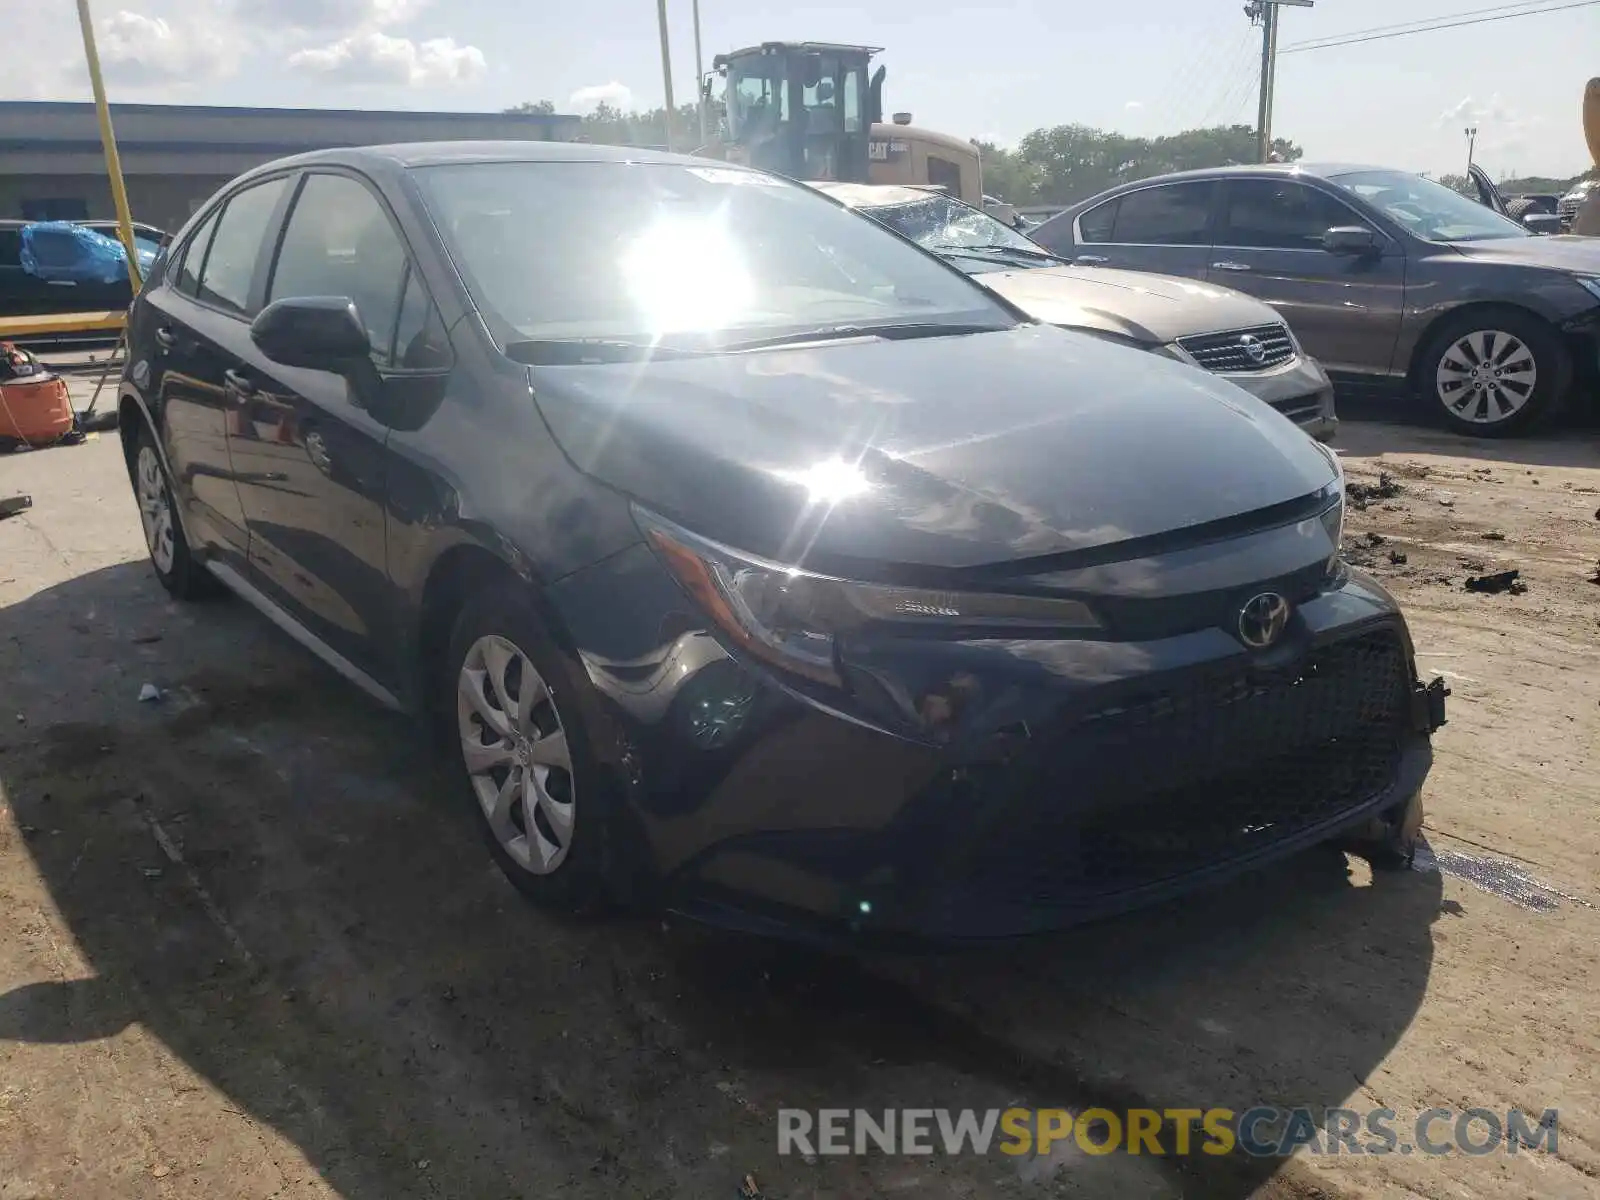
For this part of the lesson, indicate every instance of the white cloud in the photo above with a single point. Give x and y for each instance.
(328, 15)
(587, 99)
(137, 49)
(373, 57)
(1134, 105)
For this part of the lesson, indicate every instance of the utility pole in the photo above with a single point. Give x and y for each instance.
(1266, 12)
(666, 67)
(1472, 140)
(699, 74)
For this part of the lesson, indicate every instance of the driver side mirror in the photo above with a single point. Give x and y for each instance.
(323, 333)
(1353, 240)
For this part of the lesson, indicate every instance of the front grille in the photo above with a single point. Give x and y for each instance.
(1163, 785)
(1232, 350)
(1567, 210)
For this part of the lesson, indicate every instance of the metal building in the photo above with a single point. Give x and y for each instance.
(175, 156)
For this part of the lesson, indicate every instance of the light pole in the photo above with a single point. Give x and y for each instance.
(1472, 139)
(666, 66)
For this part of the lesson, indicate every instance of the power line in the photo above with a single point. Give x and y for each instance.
(1416, 23)
(1376, 36)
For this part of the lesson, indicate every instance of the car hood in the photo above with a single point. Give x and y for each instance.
(1560, 252)
(940, 453)
(1146, 308)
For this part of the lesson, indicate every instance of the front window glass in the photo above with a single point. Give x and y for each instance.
(756, 96)
(1427, 209)
(1276, 214)
(690, 257)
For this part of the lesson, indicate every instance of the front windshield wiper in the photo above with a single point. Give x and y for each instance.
(989, 252)
(569, 352)
(903, 331)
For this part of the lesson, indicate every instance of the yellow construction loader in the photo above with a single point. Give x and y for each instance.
(814, 111)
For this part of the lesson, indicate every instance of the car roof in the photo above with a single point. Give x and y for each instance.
(875, 195)
(1328, 170)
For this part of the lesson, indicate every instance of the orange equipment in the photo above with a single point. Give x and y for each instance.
(35, 408)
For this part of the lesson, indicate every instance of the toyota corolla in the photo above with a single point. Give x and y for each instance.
(749, 560)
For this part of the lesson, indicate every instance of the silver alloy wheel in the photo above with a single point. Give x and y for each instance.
(1486, 377)
(155, 510)
(516, 754)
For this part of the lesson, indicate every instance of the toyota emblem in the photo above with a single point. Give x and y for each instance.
(1252, 347)
(1262, 620)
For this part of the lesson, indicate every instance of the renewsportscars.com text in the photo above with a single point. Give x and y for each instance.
(1260, 1132)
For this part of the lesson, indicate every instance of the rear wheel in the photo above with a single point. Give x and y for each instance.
(170, 554)
(1495, 372)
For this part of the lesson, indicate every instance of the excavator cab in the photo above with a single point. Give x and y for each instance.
(801, 109)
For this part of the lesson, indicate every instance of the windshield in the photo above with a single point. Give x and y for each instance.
(1430, 210)
(940, 223)
(690, 257)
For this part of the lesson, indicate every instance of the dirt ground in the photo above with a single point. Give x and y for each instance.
(250, 946)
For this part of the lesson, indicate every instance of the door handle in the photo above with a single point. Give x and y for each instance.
(165, 338)
(1090, 260)
(239, 386)
(1231, 266)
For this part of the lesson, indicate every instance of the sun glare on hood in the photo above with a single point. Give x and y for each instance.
(830, 481)
(687, 274)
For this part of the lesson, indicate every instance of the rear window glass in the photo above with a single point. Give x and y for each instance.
(1095, 225)
(1174, 215)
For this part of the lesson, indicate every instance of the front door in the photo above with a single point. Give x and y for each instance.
(1345, 309)
(309, 450)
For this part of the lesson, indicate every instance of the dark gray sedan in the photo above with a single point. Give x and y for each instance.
(1384, 277)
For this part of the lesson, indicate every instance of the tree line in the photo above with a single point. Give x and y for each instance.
(1059, 165)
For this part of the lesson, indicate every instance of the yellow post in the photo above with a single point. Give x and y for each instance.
(108, 140)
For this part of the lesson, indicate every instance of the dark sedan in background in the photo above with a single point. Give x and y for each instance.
(1382, 275)
(749, 559)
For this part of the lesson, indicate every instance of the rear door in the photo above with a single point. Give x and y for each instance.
(309, 450)
(1165, 228)
(1345, 309)
(198, 318)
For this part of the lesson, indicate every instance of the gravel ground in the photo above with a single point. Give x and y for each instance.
(250, 947)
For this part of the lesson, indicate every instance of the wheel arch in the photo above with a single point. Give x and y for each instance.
(1430, 332)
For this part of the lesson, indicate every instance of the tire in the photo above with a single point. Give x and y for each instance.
(498, 649)
(1389, 841)
(170, 555)
(1520, 207)
(1531, 372)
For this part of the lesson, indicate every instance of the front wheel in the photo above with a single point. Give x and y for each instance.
(1389, 841)
(1495, 373)
(523, 753)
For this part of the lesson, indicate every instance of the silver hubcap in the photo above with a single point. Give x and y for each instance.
(155, 509)
(1486, 377)
(516, 754)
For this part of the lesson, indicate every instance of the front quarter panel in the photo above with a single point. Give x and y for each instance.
(1441, 280)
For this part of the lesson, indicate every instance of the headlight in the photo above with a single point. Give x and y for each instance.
(1333, 515)
(791, 618)
(1592, 286)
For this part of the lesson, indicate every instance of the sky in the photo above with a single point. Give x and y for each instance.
(992, 70)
